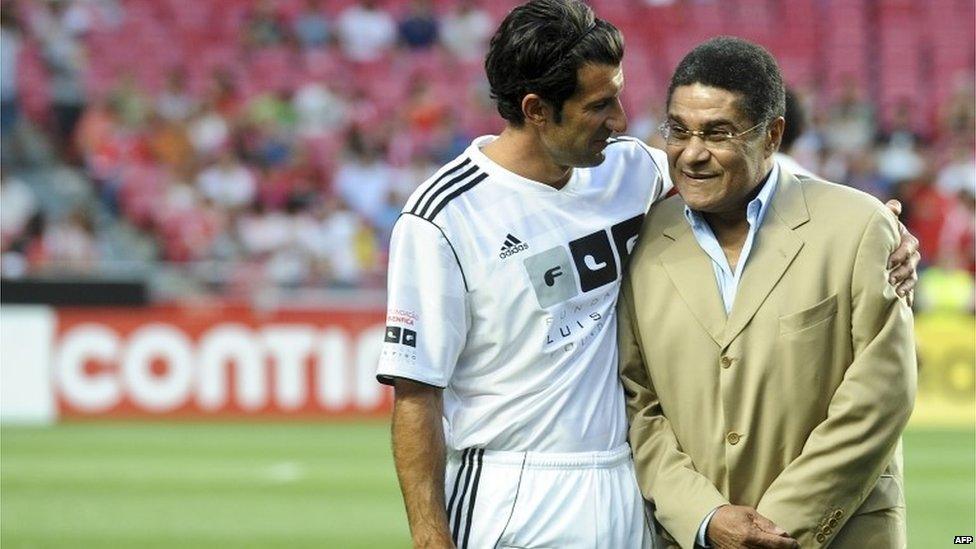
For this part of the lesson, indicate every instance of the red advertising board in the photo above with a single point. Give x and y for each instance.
(217, 362)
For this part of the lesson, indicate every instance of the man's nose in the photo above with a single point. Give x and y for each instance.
(617, 122)
(695, 151)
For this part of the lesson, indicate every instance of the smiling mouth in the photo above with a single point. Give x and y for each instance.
(699, 176)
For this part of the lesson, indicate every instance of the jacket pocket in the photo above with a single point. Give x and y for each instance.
(795, 322)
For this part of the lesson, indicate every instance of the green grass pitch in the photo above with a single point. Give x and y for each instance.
(300, 485)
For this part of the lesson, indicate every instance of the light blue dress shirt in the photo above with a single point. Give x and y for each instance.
(728, 281)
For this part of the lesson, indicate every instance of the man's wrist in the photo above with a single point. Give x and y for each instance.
(701, 539)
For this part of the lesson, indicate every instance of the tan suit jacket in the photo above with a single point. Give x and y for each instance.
(793, 404)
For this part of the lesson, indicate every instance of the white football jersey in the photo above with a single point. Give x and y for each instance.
(502, 291)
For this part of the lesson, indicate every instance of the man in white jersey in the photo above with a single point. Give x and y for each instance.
(504, 273)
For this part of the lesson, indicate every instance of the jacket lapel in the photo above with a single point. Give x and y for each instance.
(775, 248)
(690, 270)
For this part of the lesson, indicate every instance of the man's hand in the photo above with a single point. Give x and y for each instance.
(903, 262)
(735, 526)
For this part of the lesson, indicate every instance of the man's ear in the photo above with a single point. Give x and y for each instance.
(774, 135)
(536, 110)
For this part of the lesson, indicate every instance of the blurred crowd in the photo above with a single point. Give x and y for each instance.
(228, 146)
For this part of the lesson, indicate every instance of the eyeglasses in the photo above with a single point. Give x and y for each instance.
(678, 135)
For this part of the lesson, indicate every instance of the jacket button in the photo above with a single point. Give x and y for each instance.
(733, 438)
(827, 531)
(821, 538)
(726, 362)
(832, 522)
(838, 513)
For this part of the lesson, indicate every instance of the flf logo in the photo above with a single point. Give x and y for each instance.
(597, 259)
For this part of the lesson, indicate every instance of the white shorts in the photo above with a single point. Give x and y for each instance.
(544, 500)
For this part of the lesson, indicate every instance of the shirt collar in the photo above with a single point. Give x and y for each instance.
(755, 210)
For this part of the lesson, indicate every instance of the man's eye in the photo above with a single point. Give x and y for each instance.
(717, 136)
(681, 133)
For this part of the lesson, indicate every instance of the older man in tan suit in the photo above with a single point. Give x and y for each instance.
(769, 367)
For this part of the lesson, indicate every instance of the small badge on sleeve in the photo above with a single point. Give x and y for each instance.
(404, 336)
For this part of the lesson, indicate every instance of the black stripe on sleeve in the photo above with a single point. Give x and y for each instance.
(422, 212)
(438, 180)
(454, 195)
(464, 279)
(474, 497)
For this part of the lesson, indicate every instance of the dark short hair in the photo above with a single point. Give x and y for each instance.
(540, 47)
(738, 66)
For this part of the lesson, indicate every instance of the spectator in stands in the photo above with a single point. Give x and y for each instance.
(25, 250)
(850, 125)
(366, 33)
(311, 27)
(228, 183)
(17, 206)
(796, 124)
(958, 114)
(131, 102)
(863, 174)
(320, 109)
(70, 245)
(959, 173)
(209, 131)
(926, 209)
(447, 140)
(264, 27)
(419, 28)
(901, 127)
(424, 107)
(170, 144)
(66, 62)
(175, 102)
(262, 231)
(187, 226)
(466, 31)
(10, 44)
(330, 237)
(363, 178)
(899, 157)
(224, 94)
(957, 240)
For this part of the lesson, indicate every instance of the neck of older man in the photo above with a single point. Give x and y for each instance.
(731, 227)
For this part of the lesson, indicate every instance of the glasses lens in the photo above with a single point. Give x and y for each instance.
(678, 134)
(717, 137)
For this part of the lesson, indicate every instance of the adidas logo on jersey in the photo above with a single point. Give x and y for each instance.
(512, 246)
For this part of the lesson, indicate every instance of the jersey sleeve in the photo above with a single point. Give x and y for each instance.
(427, 317)
(663, 183)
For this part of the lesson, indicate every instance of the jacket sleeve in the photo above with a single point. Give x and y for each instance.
(666, 475)
(846, 453)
